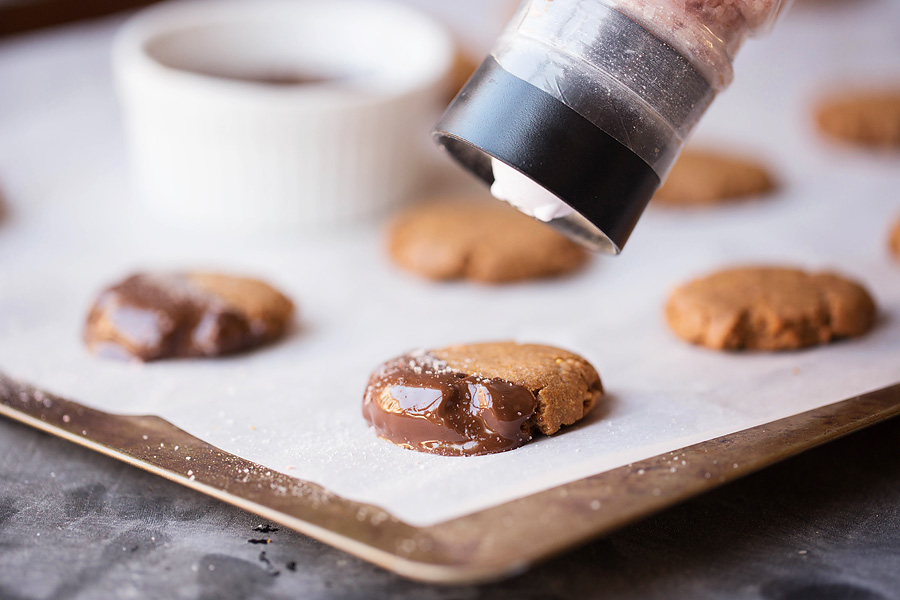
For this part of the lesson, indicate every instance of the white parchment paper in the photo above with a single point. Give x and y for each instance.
(74, 227)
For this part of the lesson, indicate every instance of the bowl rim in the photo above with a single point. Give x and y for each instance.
(134, 65)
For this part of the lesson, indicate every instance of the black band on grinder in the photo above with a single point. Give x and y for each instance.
(499, 115)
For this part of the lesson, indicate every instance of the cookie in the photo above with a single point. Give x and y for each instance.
(151, 316)
(479, 398)
(870, 119)
(769, 308)
(484, 241)
(704, 178)
(895, 240)
(463, 67)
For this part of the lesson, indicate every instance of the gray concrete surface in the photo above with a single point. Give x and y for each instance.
(73, 524)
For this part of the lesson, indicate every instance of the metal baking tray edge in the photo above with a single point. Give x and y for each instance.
(488, 545)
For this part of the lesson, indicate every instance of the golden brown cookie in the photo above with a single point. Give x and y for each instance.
(769, 308)
(895, 240)
(484, 241)
(869, 119)
(479, 398)
(703, 178)
(464, 66)
(151, 316)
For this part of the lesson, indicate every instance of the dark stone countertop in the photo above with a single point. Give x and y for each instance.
(74, 524)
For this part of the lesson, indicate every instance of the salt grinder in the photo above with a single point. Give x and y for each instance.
(593, 101)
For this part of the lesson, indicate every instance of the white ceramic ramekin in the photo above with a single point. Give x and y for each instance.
(213, 149)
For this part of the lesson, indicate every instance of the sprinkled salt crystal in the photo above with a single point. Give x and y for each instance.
(66, 418)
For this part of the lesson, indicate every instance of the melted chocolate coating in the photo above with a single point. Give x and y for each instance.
(150, 317)
(416, 402)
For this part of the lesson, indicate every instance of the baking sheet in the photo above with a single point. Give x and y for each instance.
(295, 407)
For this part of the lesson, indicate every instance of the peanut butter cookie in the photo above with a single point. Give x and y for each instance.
(704, 178)
(484, 241)
(869, 119)
(151, 316)
(464, 66)
(479, 398)
(895, 240)
(769, 308)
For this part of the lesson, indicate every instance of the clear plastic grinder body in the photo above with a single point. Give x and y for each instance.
(593, 100)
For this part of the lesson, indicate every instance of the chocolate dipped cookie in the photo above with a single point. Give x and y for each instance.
(151, 316)
(479, 398)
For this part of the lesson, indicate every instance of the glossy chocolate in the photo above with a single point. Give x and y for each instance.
(156, 316)
(417, 402)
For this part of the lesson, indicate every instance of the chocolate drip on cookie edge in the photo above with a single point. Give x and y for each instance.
(418, 403)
